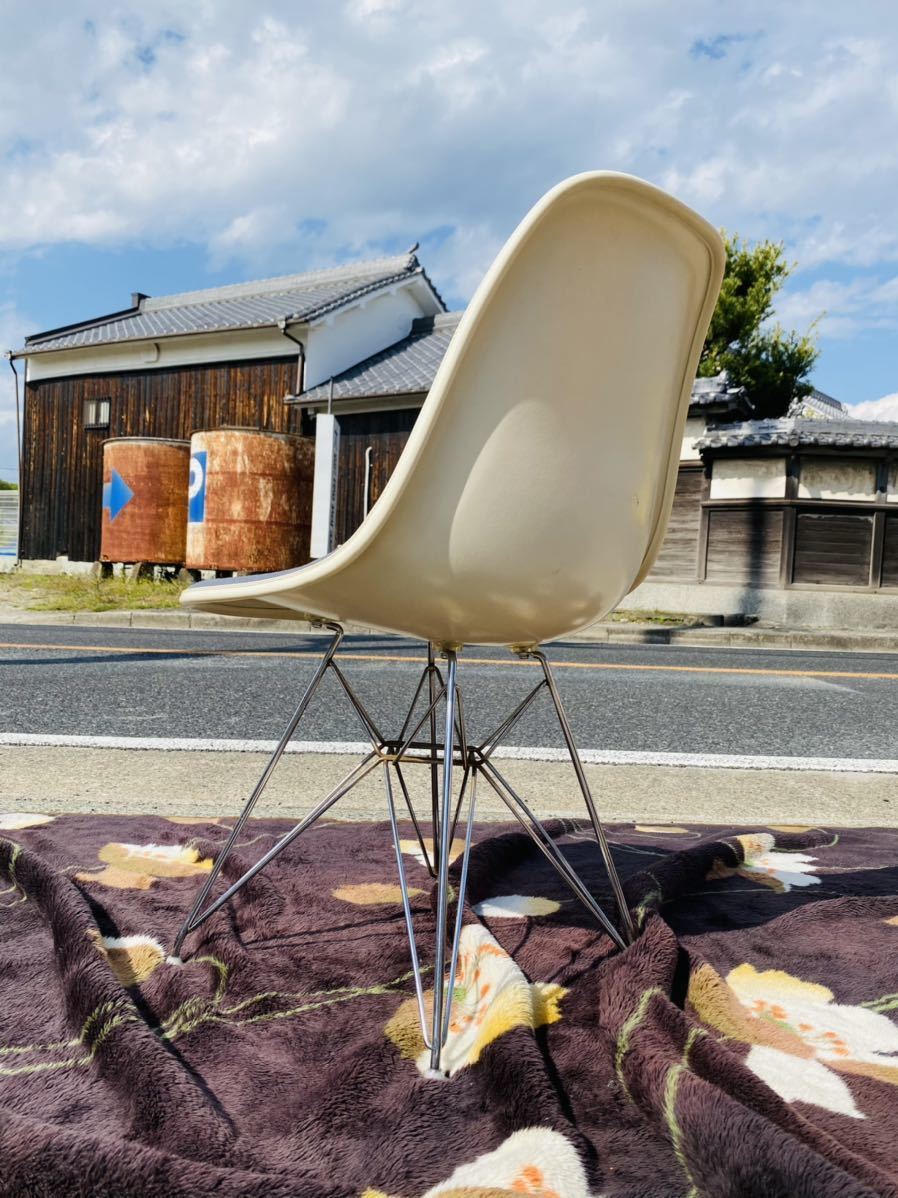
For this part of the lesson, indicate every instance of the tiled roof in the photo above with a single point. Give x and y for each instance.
(716, 392)
(404, 368)
(818, 406)
(793, 433)
(260, 304)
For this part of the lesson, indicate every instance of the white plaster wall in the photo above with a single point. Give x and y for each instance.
(353, 334)
(892, 492)
(172, 351)
(748, 478)
(832, 478)
(693, 429)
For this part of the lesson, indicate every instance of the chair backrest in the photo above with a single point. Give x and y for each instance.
(536, 485)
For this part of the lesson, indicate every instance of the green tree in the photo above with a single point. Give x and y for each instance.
(8, 486)
(771, 364)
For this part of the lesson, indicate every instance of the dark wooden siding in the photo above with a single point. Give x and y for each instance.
(678, 557)
(890, 551)
(832, 548)
(386, 433)
(744, 545)
(63, 461)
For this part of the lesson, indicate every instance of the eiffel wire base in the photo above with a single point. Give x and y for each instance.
(442, 757)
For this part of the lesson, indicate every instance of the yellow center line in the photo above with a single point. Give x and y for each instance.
(416, 659)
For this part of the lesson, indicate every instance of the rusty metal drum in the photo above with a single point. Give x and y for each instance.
(249, 500)
(144, 500)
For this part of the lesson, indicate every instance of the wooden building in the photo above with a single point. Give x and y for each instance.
(793, 521)
(169, 366)
(801, 503)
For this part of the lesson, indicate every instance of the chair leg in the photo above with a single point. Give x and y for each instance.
(436, 1036)
(197, 918)
(191, 923)
(623, 910)
(434, 771)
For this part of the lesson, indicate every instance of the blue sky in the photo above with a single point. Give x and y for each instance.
(167, 147)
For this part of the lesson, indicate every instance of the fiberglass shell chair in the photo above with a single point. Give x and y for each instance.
(532, 496)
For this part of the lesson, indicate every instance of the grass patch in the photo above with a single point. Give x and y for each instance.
(64, 592)
(650, 617)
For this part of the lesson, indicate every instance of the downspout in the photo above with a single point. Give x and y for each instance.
(300, 358)
(366, 497)
(10, 359)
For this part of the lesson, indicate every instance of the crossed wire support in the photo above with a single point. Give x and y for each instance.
(442, 757)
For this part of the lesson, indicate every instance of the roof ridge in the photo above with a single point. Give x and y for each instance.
(426, 324)
(279, 284)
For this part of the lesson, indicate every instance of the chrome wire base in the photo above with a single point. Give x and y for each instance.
(442, 757)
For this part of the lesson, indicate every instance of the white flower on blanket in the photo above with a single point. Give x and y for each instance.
(802, 1042)
(132, 958)
(15, 821)
(515, 906)
(535, 1161)
(763, 862)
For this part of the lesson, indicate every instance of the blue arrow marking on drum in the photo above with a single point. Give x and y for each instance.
(116, 495)
(196, 488)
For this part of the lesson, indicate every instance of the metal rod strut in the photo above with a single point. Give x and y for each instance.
(623, 909)
(263, 781)
(195, 920)
(548, 848)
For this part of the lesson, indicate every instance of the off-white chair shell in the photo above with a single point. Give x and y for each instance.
(535, 487)
(532, 495)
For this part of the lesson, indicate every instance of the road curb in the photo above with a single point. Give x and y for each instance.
(752, 637)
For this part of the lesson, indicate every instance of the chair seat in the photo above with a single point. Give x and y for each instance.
(345, 588)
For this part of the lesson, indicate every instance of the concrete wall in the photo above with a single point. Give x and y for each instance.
(817, 608)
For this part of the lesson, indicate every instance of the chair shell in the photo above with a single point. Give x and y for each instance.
(535, 488)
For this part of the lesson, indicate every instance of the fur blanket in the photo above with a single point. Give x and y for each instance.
(747, 1044)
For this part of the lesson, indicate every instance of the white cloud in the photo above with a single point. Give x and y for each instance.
(877, 409)
(236, 125)
(842, 309)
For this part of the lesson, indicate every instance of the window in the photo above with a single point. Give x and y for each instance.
(96, 413)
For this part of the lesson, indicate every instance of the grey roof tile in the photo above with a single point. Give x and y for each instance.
(259, 304)
(818, 406)
(716, 390)
(793, 433)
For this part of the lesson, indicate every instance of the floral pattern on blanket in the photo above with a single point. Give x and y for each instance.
(535, 1161)
(16, 821)
(802, 1041)
(131, 958)
(763, 862)
(138, 866)
(491, 997)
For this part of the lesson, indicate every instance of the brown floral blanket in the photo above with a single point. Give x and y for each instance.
(747, 1044)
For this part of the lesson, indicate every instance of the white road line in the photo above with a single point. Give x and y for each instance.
(729, 761)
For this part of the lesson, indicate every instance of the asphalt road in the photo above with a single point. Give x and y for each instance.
(656, 698)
